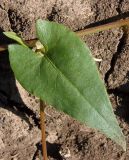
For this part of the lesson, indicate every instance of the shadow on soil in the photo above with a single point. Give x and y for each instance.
(11, 100)
(123, 107)
(123, 103)
(109, 20)
(52, 151)
(122, 94)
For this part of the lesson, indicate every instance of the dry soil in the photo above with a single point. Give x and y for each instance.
(19, 111)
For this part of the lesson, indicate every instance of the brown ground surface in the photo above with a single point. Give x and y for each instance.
(19, 111)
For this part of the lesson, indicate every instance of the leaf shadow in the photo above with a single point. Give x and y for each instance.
(122, 109)
(4, 39)
(10, 98)
(122, 100)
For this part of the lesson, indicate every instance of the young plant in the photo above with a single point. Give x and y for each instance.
(62, 73)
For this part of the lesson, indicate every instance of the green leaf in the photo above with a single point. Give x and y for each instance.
(66, 77)
(14, 36)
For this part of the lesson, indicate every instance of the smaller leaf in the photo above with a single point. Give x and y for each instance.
(14, 36)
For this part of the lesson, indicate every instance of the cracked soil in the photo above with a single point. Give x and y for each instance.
(19, 111)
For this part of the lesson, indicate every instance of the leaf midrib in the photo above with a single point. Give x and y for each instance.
(56, 68)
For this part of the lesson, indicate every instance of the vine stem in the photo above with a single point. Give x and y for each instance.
(104, 27)
(42, 121)
(116, 24)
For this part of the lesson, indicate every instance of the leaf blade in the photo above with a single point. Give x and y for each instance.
(64, 82)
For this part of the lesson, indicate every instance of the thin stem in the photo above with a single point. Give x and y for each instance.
(84, 32)
(42, 120)
(29, 43)
(104, 27)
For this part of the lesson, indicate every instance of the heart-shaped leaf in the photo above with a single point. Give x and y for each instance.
(66, 77)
